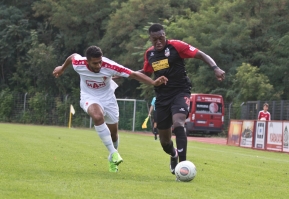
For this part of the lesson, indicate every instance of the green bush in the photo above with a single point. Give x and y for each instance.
(61, 111)
(38, 108)
(6, 105)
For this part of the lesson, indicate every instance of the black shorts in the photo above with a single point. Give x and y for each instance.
(177, 104)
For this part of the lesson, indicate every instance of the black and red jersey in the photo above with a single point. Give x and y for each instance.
(170, 63)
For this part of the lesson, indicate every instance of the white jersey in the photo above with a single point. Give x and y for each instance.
(98, 85)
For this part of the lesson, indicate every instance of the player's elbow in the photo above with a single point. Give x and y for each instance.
(72, 55)
(69, 59)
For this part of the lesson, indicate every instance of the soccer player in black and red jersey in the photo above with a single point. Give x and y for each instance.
(166, 57)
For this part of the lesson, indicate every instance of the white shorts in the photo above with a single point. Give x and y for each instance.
(109, 107)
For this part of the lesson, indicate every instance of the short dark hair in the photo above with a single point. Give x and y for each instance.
(93, 52)
(155, 28)
(265, 104)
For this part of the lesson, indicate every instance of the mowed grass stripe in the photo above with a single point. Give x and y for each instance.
(249, 153)
(56, 162)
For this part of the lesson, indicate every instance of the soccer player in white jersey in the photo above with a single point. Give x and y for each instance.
(97, 94)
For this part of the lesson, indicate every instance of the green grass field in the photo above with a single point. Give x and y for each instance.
(55, 162)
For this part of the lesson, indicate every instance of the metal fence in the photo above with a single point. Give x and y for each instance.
(279, 110)
(50, 110)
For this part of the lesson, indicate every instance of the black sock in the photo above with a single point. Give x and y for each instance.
(169, 149)
(155, 131)
(181, 140)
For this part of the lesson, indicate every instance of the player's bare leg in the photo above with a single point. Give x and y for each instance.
(96, 113)
(114, 134)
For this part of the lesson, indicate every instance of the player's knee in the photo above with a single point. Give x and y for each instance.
(179, 120)
(178, 124)
(97, 118)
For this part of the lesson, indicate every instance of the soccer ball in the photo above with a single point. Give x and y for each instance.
(185, 171)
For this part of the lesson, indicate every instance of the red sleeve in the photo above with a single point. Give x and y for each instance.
(117, 69)
(147, 67)
(259, 115)
(185, 50)
(78, 60)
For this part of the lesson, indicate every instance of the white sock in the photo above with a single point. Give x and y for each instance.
(104, 134)
(116, 143)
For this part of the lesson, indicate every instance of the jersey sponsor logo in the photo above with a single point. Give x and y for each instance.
(152, 54)
(94, 84)
(167, 52)
(159, 65)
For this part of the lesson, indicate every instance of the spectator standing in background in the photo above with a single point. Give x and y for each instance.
(264, 114)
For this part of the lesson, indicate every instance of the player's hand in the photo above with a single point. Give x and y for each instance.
(161, 80)
(220, 74)
(58, 71)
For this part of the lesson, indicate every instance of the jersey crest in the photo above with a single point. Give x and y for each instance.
(95, 84)
(167, 52)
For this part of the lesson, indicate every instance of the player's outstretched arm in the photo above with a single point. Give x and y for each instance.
(219, 73)
(146, 73)
(60, 69)
(147, 80)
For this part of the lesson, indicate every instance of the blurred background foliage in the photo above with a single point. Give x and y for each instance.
(249, 39)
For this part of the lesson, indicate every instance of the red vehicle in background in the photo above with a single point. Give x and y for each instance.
(206, 114)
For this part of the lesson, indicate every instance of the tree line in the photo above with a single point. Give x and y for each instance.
(249, 39)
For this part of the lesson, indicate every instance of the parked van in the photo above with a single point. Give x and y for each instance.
(206, 114)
